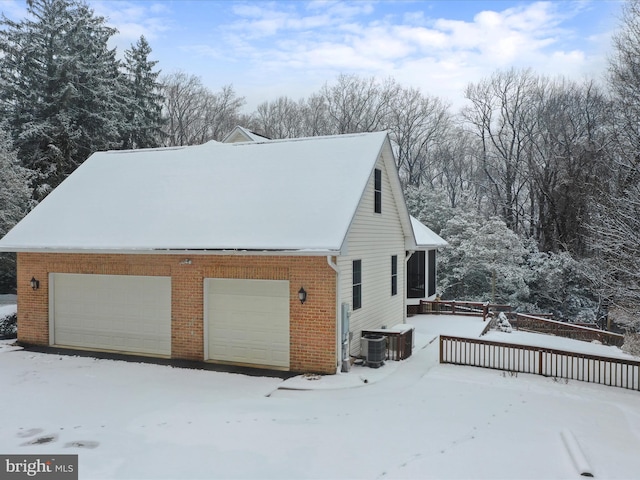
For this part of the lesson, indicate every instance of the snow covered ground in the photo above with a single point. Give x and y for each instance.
(6, 310)
(8, 299)
(410, 419)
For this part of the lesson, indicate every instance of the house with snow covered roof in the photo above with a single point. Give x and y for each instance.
(241, 134)
(252, 252)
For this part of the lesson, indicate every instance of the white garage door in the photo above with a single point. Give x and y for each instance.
(248, 321)
(112, 312)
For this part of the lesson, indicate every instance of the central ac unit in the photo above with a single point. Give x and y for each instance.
(374, 349)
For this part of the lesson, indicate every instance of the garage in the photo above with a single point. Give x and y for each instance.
(123, 313)
(248, 321)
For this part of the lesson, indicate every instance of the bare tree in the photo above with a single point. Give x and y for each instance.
(566, 164)
(460, 175)
(184, 95)
(615, 242)
(315, 116)
(195, 115)
(221, 113)
(502, 115)
(418, 124)
(355, 104)
(282, 118)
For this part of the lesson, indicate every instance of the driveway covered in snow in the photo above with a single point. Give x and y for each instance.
(411, 419)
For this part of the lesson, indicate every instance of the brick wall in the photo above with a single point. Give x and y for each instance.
(313, 335)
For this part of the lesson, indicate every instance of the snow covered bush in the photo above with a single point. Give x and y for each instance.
(627, 319)
(560, 286)
(485, 261)
(631, 344)
(8, 326)
(503, 323)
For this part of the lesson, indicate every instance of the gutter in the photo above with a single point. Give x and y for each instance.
(334, 266)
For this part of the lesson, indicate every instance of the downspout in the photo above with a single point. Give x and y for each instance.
(338, 319)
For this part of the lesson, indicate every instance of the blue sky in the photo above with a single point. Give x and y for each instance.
(266, 49)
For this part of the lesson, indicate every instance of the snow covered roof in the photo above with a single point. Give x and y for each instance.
(425, 237)
(297, 195)
(241, 134)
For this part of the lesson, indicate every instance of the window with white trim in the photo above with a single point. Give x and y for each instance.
(394, 275)
(357, 284)
(377, 190)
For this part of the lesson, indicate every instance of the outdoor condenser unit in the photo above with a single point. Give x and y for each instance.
(374, 349)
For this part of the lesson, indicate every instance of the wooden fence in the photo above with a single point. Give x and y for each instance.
(399, 341)
(616, 372)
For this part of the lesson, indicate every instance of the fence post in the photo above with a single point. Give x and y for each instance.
(540, 354)
(441, 350)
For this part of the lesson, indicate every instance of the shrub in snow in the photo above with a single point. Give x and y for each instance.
(484, 261)
(627, 319)
(9, 326)
(503, 324)
(632, 344)
(560, 285)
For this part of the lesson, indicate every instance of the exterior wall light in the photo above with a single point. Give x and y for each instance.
(35, 284)
(302, 295)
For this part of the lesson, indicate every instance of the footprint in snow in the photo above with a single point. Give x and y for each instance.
(41, 440)
(29, 433)
(82, 444)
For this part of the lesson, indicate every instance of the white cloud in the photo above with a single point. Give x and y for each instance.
(423, 38)
(438, 55)
(134, 19)
(341, 9)
(498, 36)
(286, 46)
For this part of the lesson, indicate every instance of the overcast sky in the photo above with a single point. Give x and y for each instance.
(266, 49)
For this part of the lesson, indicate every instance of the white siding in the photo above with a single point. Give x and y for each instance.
(374, 238)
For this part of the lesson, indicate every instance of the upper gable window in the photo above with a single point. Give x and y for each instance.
(394, 275)
(377, 191)
(357, 284)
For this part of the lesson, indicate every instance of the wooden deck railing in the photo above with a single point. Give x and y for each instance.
(616, 372)
(540, 323)
(533, 323)
(444, 307)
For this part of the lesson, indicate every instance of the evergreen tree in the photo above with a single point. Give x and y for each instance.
(61, 88)
(485, 261)
(144, 114)
(15, 202)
